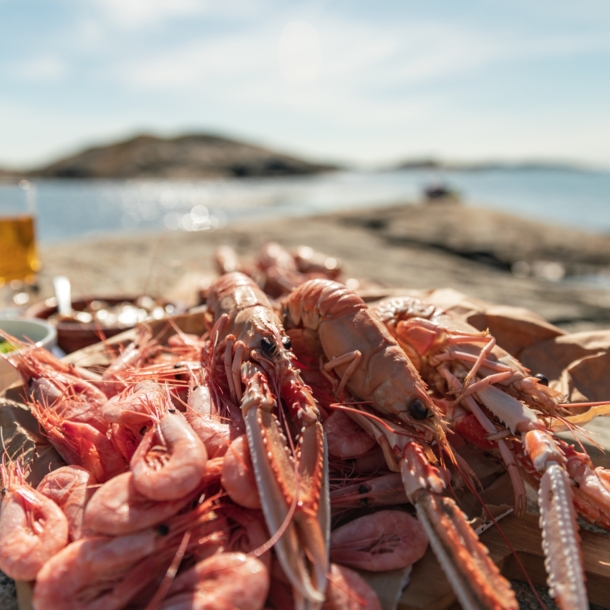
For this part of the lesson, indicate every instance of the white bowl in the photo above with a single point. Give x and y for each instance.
(39, 332)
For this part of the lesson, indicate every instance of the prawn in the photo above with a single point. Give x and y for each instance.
(32, 527)
(347, 590)
(238, 478)
(80, 444)
(173, 466)
(385, 540)
(370, 364)
(118, 508)
(292, 481)
(105, 573)
(227, 581)
(70, 487)
(459, 360)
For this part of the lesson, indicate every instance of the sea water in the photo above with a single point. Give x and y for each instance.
(73, 209)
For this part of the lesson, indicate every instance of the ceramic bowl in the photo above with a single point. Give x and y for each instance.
(73, 335)
(32, 330)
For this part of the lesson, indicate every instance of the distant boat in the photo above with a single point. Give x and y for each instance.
(436, 191)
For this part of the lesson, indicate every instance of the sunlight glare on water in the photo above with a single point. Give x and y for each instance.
(71, 209)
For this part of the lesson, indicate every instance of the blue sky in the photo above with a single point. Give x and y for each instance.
(358, 81)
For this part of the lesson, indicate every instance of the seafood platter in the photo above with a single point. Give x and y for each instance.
(301, 441)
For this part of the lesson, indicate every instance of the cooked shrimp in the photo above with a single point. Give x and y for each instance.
(227, 581)
(204, 418)
(99, 573)
(174, 466)
(32, 527)
(135, 406)
(386, 540)
(249, 534)
(70, 487)
(115, 377)
(117, 508)
(238, 477)
(73, 407)
(81, 444)
(104, 573)
(347, 590)
(345, 438)
(37, 363)
(385, 490)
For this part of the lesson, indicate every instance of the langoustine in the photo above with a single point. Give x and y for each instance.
(373, 367)
(492, 399)
(253, 353)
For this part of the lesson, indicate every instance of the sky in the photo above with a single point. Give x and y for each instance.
(360, 82)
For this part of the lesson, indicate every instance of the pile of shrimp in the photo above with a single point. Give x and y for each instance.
(158, 506)
(278, 270)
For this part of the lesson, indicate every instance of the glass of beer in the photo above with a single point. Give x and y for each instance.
(19, 261)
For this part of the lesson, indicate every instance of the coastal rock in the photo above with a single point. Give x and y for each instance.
(490, 237)
(405, 246)
(187, 157)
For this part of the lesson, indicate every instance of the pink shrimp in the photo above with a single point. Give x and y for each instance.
(386, 540)
(73, 407)
(70, 487)
(203, 416)
(105, 573)
(227, 581)
(174, 466)
(118, 508)
(135, 406)
(115, 377)
(250, 534)
(80, 444)
(238, 477)
(345, 438)
(36, 364)
(347, 590)
(385, 490)
(99, 573)
(32, 527)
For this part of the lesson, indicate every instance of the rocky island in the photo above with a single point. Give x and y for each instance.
(189, 156)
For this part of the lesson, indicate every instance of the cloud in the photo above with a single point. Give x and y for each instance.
(137, 14)
(39, 69)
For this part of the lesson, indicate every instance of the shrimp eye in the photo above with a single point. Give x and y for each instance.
(418, 409)
(163, 529)
(543, 379)
(269, 347)
(286, 342)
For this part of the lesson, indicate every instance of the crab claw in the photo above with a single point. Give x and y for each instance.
(293, 489)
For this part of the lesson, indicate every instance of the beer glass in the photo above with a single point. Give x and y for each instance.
(19, 261)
